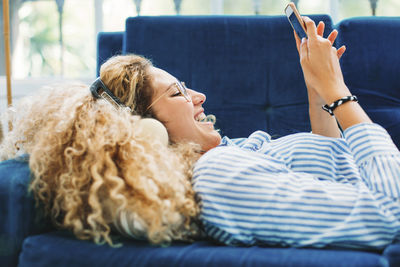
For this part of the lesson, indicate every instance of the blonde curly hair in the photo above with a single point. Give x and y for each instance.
(93, 164)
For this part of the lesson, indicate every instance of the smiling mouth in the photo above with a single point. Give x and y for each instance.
(201, 117)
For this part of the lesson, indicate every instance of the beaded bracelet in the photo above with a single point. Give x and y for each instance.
(330, 108)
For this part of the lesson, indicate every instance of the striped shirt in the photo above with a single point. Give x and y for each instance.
(302, 190)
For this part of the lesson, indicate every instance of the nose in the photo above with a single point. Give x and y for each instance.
(197, 97)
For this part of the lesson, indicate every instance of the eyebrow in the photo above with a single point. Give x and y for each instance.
(169, 87)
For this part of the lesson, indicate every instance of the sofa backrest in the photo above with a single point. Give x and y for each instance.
(249, 69)
(247, 66)
(371, 67)
(108, 44)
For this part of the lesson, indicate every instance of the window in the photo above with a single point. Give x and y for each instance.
(39, 51)
(40, 56)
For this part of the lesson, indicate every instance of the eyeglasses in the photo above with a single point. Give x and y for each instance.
(182, 90)
(100, 90)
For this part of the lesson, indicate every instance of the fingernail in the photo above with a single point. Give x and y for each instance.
(303, 39)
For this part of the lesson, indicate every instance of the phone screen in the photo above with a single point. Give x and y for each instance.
(296, 25)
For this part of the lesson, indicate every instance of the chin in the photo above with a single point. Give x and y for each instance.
(206, 139)
(212, 142)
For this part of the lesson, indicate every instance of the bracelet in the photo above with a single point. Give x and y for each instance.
(330, 108)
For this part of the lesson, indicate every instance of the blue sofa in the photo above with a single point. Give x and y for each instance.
(249, 69)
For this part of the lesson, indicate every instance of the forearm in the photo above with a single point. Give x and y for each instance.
(322, 73)
(349, 113)
(321, 122)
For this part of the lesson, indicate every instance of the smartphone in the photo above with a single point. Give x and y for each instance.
(295, 20)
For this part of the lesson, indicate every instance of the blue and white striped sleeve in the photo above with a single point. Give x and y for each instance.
(377, 157)
(248, 198)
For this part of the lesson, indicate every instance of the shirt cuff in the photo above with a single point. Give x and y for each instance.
(368, 140)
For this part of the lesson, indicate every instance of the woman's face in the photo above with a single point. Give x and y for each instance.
(180, 116)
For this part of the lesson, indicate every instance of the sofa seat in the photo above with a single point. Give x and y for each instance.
(62, 249)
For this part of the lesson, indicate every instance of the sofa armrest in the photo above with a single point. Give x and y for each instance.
(17, 210)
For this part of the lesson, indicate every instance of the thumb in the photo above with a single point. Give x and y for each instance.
(298, 41)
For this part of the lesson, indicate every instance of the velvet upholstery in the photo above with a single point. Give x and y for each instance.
(249, 69)
(198, 254)
(371, 67)
(18, 216)
(108, 44)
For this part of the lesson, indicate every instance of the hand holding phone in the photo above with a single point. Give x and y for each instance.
(295, 20)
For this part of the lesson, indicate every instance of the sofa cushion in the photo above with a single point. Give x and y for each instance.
(392, 254)
(17, 212)
(247, 66)
(61, 249)
(371, 67)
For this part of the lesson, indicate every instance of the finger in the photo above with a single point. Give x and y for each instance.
(334, 50)
(303, 49)
(332, 36)
(298, 41)
(321, 28)
(311, 28)
(341, 51)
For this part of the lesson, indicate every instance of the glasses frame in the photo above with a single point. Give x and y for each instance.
(182, 89)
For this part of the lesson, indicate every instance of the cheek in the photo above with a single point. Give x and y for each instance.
(180, 128)
(178, 119)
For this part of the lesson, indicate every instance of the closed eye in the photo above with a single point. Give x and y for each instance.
(177, 94)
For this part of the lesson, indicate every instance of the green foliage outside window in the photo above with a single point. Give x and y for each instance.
(38, 51)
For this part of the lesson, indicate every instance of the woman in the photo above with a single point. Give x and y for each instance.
(96, 167)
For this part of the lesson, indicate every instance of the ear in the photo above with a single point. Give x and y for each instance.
(155, 130)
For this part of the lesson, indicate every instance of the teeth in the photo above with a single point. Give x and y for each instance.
(200, 117)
